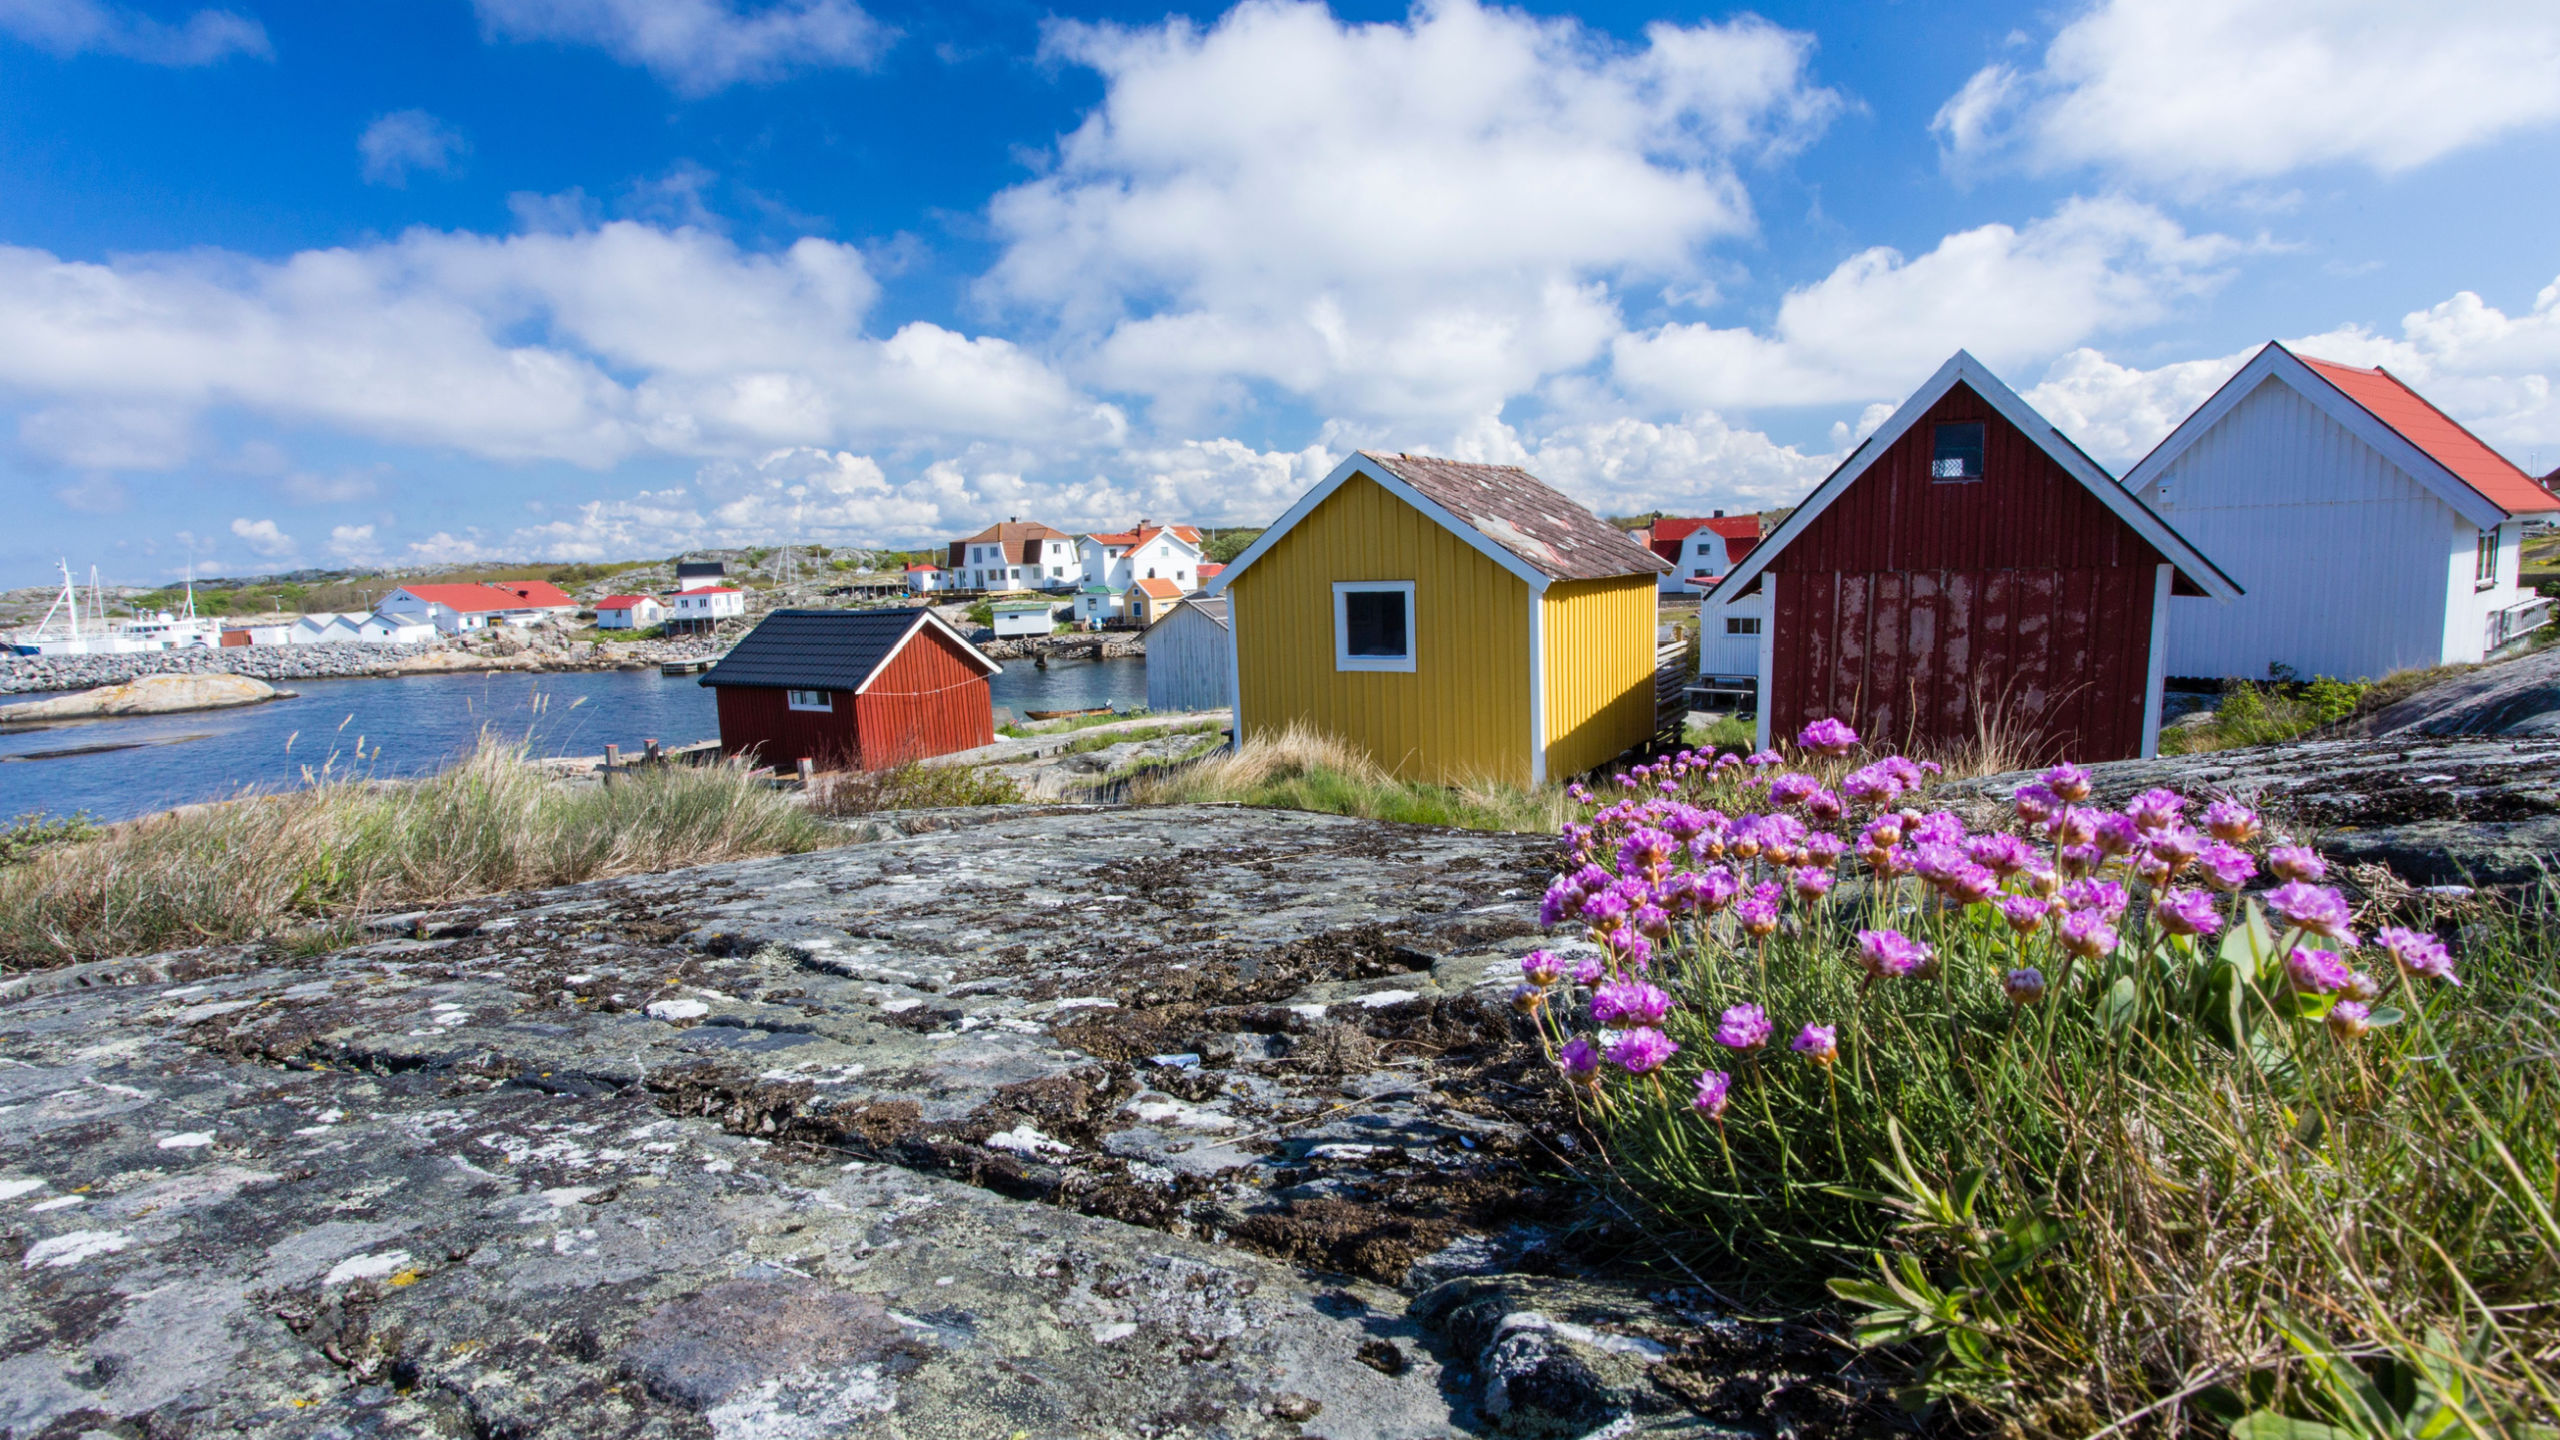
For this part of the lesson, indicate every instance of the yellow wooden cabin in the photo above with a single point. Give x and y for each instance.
(1458, 622)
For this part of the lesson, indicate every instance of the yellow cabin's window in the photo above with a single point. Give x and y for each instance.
(1373, 625)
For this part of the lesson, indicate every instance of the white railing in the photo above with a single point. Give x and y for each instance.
(2517, 620)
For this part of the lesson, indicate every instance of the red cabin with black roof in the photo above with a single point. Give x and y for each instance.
(853, 690)
(1969, 569)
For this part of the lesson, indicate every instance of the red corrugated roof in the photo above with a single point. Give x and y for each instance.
(624, 602)
(914, 568)
(1740, 533)
(1160, 589)
(478, 599)
(712, 590)
(1211, 569)
(2384, 397)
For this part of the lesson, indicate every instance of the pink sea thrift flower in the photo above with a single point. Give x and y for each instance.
(2104, 896)
(1641, 1051)
(1971, 884)
(1653, 922)
(2156, 809)
(2074, 826)
(2001, 853)
(2068, 781)
(2115, 834)
(1744, 1027)
(1588, 969)
(2188, 912)
(1525, 998)
(2316, 908)
(2025, 913)
(1824, 806)
(1764, 757)
(1759, 914)
(2230, 820)
(2225, 866)
(1818, 1043)
(1824, 849)
(1621, 1003)
(2348, 1019)
(2296, 862)
(2418, 953)
(2035, 803)
(1715, 889)
(1890, 954)
(2023, 986)
(1870, 785)
(2039, 881)
(1634, 952)
(1579, 1060)
(2151, 870)
(2361, 986)
(2316, 972)
(1811, 882)
(1827, 736)
(2177, 846)
(1647, 852)
(1792, 789)
(2087, 934)
(1715, 1088)
(1541, 969)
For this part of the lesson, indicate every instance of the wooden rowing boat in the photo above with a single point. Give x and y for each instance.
(1064, 714)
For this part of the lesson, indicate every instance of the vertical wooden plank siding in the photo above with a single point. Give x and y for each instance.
(1463, 713)
(1912, 608)
(761, 723)
(1187, 662)
(2343, 554)
(1598, 688)
(926, 701)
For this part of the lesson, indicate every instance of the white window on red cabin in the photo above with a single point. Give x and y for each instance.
(812, 700)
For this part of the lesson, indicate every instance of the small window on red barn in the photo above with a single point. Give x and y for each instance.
(1956, 452)
(812, 700)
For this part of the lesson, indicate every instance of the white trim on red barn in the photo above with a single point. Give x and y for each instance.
(923, 619)
(1963, 368)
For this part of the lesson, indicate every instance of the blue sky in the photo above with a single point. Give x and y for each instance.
(426, 280)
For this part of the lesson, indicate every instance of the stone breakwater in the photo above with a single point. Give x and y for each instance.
(22, 673)
(1120, 645)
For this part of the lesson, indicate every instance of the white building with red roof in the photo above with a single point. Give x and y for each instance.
(2369, 531)
(1145, 551)
(629, 612)
(705, 606)
(926, 579)
(460, 609)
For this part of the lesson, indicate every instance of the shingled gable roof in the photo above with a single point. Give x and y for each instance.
(1962, 369)
(1016, 537)
(1507, 514)
(2481, 485)
(829, 649)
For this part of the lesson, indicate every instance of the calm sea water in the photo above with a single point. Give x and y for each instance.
(417, 724)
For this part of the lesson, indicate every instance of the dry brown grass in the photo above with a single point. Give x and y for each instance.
(1303, 769)
(272, 865)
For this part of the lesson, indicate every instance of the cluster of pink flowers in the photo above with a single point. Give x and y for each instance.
(1652, 865)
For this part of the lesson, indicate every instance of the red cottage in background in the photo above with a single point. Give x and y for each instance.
(1968, 568)
(853, 690)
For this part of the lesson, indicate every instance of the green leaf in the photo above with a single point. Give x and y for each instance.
(2268, 1425)
(2250, 946)
(2117, 1008)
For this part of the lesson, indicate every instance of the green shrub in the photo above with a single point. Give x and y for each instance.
(29, 833)
(983, 613)
(2162, 1182)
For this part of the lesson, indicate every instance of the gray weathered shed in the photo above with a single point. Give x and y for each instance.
(1190, 657)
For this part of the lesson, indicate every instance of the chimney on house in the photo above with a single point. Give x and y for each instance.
(1719, 514)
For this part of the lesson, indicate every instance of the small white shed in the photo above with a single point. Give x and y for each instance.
(2371, 532)
(1018, 618)
(1190, 657)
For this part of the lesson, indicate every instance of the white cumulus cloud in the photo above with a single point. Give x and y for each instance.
(1408, 220)
(699, 46)
(74, 27)
(2203, 93)
(405, 141)
(263, 537)
(1881, 322)
(588, 347)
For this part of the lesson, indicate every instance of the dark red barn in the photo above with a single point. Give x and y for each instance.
(853, 690)
(1968, 566)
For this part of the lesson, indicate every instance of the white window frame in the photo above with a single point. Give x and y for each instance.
(821, 701)
(1343, 659)
(2485, 559)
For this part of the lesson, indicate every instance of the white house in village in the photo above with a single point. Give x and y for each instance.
(927, 579)
(1016, 618)
(1016, 555)
(1115, 563)
(704, 606)
(461, 609)
(629, 612)
(2370, 531)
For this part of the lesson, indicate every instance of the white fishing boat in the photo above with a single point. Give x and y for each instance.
(65, 631)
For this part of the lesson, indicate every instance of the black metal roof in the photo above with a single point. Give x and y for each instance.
(824, 649)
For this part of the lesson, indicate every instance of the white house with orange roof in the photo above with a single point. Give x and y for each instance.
(1144, 551)
(926, 579)
(2369, 531)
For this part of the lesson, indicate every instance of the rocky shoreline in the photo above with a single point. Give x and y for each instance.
(21, 674)
(1108, 645)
